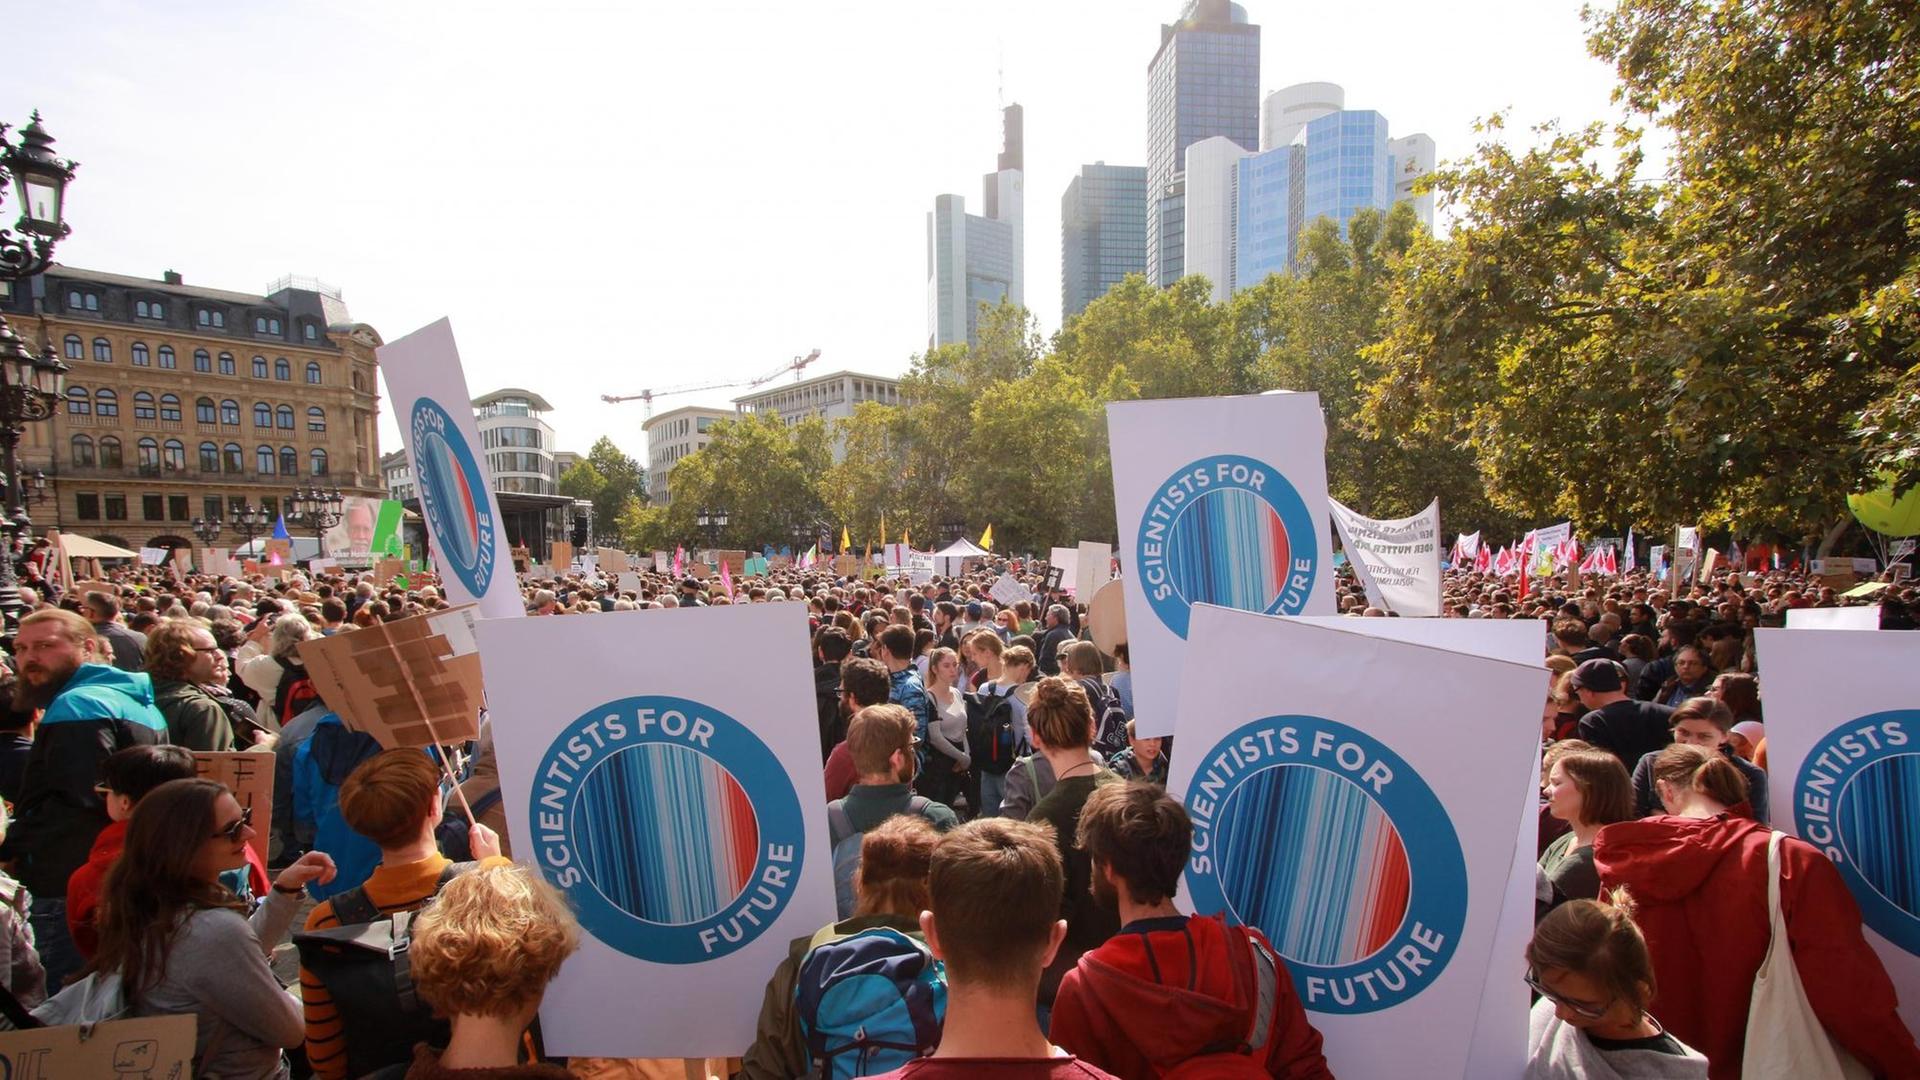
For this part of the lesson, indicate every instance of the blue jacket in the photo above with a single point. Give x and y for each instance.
(99, 711)
(910, 694)
(320, 766)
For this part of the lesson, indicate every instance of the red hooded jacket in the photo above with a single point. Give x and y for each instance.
(83, 888)
(1700, 885)
(1163, 990)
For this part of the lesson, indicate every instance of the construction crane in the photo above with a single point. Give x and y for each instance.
(796, 365)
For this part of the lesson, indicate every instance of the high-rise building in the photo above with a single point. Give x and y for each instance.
(1409, 159)
(517, 440)
(1212, 211)
(1204, 81)
(1289, 110)
(671, 436)
(975, 259)
(1270, 198)
(1347, 165)
(1103, 232)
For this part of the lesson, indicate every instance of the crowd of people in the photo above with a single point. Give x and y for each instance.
(1005, 857)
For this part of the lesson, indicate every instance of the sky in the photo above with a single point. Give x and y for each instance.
(612, 197)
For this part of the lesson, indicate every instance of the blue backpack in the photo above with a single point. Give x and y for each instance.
(868, 1003)
(846, 849)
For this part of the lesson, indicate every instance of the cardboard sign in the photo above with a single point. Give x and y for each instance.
(678, 806)
(182, 562)
(1842, 769)
(630, 582)
(249, 776)
(276, 552)
(1107, 617)
(150, 1048)
(82, 588)
(735, 561)
(1219, 501)
(1007, 591)
(1331, 814)
(845, 565)
(1067, 561)
(561, 555)
(387, 569)
(612, 560)
(1092, 568)
(428, 389)
(414, 682)
(1833, 618)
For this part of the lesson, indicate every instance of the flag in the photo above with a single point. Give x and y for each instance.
(1734, 559)
(883, 530)
(1633, 554)
(869, 556)
(846, 541)
(1613, 564)
(679, 555)
(1483, 561)
(726, 580)
(986, 538)
(280, 528)
(906, 541)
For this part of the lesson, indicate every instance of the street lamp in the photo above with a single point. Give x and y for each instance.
(31, 387)
(712, 521)
(315, 509)
(208, 530)
(249, 522)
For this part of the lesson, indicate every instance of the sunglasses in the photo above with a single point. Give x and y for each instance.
(1578, 1008)
(231, 834)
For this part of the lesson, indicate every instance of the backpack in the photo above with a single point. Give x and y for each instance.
(296, 692)
(1110, 719)
(868, 1003)
(846, 849)
(990, 737)
(363, 963)
(1257, 971)
(454, 833)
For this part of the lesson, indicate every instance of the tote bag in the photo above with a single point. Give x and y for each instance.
(1785, 1040)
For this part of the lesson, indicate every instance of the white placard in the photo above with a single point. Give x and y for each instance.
(1843, 758)
(1067, 561)
(1221, 501)
(631, 581)
(677, 805)
(1396, 560)
(1332, 813)
(1834, 618)
(1092, 568)
(153, 556)
(429, 393)
(1007, 592)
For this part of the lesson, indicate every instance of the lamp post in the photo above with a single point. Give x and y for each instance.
(711, 522)
(315, 509)
(249, 522)
(208, 530)
(31, 387)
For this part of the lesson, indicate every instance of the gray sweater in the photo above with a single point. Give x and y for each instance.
(1556, 1050)
(218, 968)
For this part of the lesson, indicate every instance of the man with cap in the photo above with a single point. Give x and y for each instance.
(1614, 722)
(690, 593)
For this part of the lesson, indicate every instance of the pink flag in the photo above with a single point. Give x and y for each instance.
(1613, 563)
(679, 554)
(726, 580)
(1483, 561)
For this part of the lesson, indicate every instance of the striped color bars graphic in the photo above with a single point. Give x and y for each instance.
(1229, 548)
(1313, 862)
(665, 833)
(1876, 818)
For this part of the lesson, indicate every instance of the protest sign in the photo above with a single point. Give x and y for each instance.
(1067, 561)
(350, 541)
(1834, 618)
(412, 682)
(1107, 616)
(249, 776)
(1007, 591)
(846, 565)
(1331, 814)
(388, 569)
(1219, 501)
(429, 391)
(153, 556)
(150, 1048)
(612, 560)
(182, 562)
(661, 562)
(560, 555)
(630, 581)
(703, 882)
(1092, 568)
(1397, 560)
(1843, 756)
(276, 552)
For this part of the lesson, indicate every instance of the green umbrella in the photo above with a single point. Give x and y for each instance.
(1880, 511)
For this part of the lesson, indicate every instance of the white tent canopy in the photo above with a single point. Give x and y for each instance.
(85, 547)
(948, 561)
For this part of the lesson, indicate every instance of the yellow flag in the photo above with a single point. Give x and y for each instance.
(883, 532)
(846, 541)
(906, 541)
(986, 538)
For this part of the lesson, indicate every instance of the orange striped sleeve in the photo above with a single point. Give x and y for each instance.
(326, 1042)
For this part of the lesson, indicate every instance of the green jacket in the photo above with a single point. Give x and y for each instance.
(194, 719)
(778, 1051)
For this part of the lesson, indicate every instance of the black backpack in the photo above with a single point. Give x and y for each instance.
(990, 736)
(364, 964)
(1110, 719)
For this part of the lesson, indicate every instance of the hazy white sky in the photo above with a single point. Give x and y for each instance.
(609, 197)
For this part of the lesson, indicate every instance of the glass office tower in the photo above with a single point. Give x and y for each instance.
(1203, 81)
(1103, 232)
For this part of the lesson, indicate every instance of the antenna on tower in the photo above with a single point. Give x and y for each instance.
(1000, 72)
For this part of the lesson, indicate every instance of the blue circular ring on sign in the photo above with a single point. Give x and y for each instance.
(1337, 850)
(453, 496)
(672, 828)
(1856, 799)
(1227, 530)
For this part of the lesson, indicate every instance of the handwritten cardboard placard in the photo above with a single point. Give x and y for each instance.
(612, 560)
(387, 569)
(845, 565)
(415, 682)
(150, 1048)
(249, 776)
(282, 548)
(736, 561)
(561, 556)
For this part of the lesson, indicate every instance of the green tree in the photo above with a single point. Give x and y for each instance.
(867, 485)
(764, 473)
(620, 476)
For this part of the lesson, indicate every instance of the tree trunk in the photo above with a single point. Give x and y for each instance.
(1833, 535)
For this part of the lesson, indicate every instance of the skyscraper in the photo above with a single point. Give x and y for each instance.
(1204, 81)
(1103, 232)
(1347, 165)
(1212, 211)
(1409, 159)
(977, 259)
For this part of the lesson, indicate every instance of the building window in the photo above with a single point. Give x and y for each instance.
(266, 324)
(263, 460)
(226, 363)
(203, 411)
(233, 458)
(282, 370)
(103, 350)
(259, 367)
(86, 507)
(262, 414)
(209, 458)
(116, 508)
(142, 405)
(318, 459)
(169, 408)
(310, 332)
(270, 505)
(316, 418)
(176, 508)
(82, 451)
(74, 346)
(313, 373)
(82, 301)
(283, 417)
(106, 403)
(109, 452)
(78, 403)
(230, 412)
(358, 384)
(173, 456)
(202, 362)
(153, 508)
(150, 309)
(289, 461)
(140, 358)
(210, 317)
(166, 357)
(147, 455)
(210, 507)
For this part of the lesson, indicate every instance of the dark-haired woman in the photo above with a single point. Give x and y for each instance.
(1699, 875)
(1060, 723)
(182, 943)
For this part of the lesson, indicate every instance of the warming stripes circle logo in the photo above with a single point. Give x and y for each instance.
(453, 496)
(1226, 530)
(673, 829)
(1857, 799)
(1337, 850)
